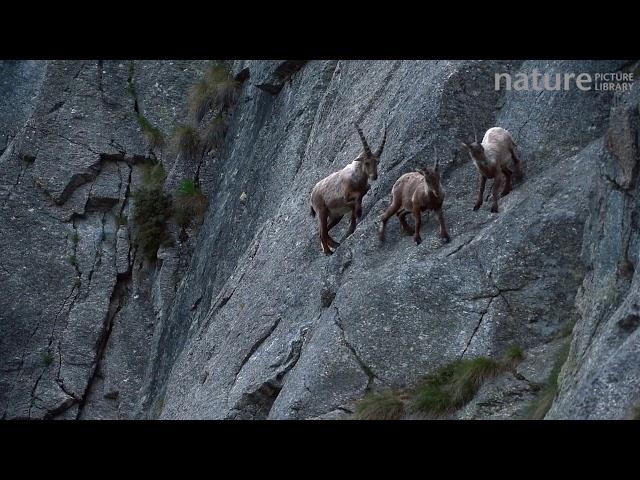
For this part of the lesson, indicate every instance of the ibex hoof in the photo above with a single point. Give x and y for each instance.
(494, 209)
(476, 207)
(445, 238)
(418, 240)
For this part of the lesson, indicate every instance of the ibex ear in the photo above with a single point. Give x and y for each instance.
(464, 145)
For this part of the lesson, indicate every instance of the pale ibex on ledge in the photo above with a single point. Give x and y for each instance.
(341, 192)
(491, 157)
(416, 192)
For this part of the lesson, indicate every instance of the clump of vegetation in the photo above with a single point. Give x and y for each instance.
(635, 412)
(47, 359)
(77, 283)
(200, 99)
(214, 134)
(385, 405)
(73, 260)
(153, 134)
(217, 90)
(186, 140)
(225, 87)
(152, 209)
(75, 238)
(190, 204)
(440, 393)
(454, 385)
(548, 393)
(513, 355)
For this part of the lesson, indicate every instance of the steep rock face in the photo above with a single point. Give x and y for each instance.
(601, 378)
(294, 334)
(77, 313)
(246, 318)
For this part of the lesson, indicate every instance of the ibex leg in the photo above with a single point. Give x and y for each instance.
(483, 182)
(389, 212)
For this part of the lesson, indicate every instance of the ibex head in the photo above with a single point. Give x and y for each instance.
(476, 151)
(370, 159)
(432, 174)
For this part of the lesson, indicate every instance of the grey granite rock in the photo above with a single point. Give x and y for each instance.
(243, 317)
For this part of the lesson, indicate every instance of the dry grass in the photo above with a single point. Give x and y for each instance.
(186, 141)
(385, 405)
(214, 134)
(218, 90)
(440, 393)
(454, 385)
(199, 100)
(153, 134)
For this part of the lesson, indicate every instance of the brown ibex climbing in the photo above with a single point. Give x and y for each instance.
(491, 157)
(416, 192)
(342, 192)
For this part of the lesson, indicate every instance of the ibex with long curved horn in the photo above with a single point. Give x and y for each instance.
(492, 158)
(341, 192)
(416, 192)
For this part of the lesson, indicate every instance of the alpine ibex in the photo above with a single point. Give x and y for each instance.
(342, 192)
(491, 157)
(416, 192)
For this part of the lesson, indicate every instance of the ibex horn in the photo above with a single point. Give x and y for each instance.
(435, 154)
(384, 139)
(367, 150)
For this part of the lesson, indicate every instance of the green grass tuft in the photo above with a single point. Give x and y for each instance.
(513, 355)
(385, 405)
(152, 209)
(73, 260)
(454, 385)
(190, 204)
(447, 389)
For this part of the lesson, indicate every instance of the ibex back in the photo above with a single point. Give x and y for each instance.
(416, 192)
(341, 192)
(491, 158)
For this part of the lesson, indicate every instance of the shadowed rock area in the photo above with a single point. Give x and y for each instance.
(243, 316)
